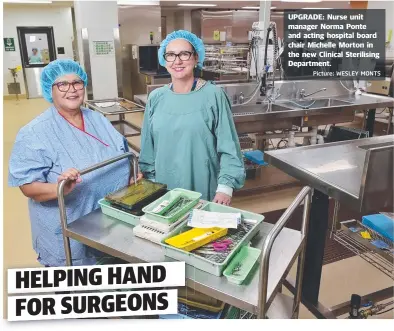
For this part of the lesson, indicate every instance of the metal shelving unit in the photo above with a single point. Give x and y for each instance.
(118, 107)
(379, 258)
(226, 59)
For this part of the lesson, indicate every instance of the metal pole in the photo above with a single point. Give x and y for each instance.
(390, 119)
(62, 206)
(63, 219)
(301, 257)
(266, 251)
(335, 218)
(369, 126)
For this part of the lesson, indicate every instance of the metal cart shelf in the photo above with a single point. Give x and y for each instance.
(356, 173)
(113, 107)
(281, 247)
(380, 259)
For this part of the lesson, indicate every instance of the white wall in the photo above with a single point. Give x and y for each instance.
(100, 18)
(28, 16)
(137, 22)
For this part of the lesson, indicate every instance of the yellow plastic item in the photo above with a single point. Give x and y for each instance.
(365, 235)
(195, 238)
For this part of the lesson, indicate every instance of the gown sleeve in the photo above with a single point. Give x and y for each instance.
(147, 155)
(29, 162)
(232, 170)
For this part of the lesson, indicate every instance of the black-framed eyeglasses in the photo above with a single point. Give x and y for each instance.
(183, 56)
(65, 86)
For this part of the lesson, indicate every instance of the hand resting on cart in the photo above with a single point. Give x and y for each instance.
(74, 177)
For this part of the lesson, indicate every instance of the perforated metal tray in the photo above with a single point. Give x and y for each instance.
(215, 264)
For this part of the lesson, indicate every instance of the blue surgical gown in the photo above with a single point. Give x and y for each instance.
(189, 141)
(46, 147)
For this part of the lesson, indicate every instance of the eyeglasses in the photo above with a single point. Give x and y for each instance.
(65, 86)
(183, 56)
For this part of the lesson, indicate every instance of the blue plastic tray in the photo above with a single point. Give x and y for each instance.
(381, 224)
(255, 156)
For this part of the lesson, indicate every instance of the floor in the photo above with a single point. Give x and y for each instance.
(339, 280)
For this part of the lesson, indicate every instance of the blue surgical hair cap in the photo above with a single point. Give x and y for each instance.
(56, 69)
(196, 42)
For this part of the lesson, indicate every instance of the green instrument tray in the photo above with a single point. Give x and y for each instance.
(173, 194)
(246, 260)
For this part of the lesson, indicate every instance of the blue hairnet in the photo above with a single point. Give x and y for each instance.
(188, 36)
(56, 69)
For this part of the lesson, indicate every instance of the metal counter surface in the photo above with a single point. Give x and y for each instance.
(116, 238)
(116, 108)
(335, 169)
(255, 112)
(252, 111)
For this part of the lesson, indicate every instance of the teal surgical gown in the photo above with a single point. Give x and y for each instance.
(189, 141)
(48, 146)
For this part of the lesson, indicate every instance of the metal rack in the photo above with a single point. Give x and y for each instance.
(383, 260)
(118, 107)
(280, 246)
(226, 59)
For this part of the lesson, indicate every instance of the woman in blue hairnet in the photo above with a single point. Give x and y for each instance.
(188, 137)
(64, 138)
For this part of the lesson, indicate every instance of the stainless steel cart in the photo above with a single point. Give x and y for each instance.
(113, 107)
(262, 296)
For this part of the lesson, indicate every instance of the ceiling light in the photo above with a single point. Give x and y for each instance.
(28, 1)
(196, 5)
(255, 7)
(301, 1)
(138, 3)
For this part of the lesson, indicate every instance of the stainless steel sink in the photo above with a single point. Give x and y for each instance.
(251, 109)
(314, 103)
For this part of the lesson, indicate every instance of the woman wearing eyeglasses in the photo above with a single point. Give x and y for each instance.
(188, 137)
(63, 139)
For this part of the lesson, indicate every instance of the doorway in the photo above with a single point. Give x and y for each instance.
(37, 47)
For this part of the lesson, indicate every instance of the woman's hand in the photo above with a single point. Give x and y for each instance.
(139, 177)
(222, 199)
(73, 176)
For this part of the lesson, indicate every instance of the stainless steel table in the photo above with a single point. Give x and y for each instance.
(280, 248)
(357, 173)
(336, 169)
(113, 107)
